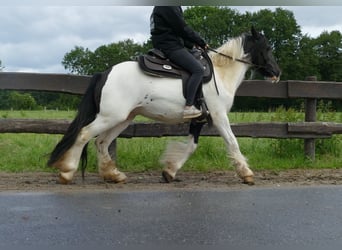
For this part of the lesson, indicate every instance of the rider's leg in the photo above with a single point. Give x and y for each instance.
(186, 60)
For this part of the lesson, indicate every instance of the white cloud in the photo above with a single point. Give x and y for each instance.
(313, 31)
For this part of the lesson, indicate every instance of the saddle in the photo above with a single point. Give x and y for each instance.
(155, 63)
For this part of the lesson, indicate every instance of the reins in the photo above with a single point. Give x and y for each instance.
(229, 57)
(234, 59)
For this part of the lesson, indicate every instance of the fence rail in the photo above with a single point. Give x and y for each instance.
(310, 129)
(75, 84)
(302, 130)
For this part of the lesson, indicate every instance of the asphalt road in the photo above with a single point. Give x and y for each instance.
(248, 218)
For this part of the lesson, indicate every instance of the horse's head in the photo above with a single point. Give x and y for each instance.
(260, 52)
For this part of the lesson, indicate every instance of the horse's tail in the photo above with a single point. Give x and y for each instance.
(87, 111)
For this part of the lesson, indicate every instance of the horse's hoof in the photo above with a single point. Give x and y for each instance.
(116, 178)
(116, 181)
(62, 180)
(167, 177)
(249, 180)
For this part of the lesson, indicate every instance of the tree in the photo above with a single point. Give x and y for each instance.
(78, 61)
(83, 61)
(215, 24)
(21, 101)
(64, 102)
(328, 47)
(308, 60)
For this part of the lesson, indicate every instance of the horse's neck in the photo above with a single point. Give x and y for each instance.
(231, 75)
(230, 72)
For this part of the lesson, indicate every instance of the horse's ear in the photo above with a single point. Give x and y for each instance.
(255, 33)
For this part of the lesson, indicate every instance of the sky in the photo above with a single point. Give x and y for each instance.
(35, 38)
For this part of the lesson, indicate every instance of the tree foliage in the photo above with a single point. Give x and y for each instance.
(78, 61)
(328, 48)
(20, 101)
(85, 62)
(215, 24)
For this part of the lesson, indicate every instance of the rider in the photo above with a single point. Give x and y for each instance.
(171, 35)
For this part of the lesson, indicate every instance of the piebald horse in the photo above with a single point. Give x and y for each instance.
(116, 96)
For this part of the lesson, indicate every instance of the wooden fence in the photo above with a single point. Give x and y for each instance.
(309, 129)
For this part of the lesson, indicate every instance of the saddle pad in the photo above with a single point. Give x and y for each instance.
(158, 67)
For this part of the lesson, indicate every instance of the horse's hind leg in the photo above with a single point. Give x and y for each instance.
(68, 163)
(106, 165)
(177, 153)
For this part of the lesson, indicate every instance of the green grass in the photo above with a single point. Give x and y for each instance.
(37, 114)
(29, 152)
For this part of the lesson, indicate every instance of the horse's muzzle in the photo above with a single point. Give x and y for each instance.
(273, 79)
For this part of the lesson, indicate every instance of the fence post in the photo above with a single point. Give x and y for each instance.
(310, 116)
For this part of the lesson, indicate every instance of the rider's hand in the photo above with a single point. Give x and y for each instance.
(205, 47)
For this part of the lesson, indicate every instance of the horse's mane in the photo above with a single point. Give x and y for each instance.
(233, 48)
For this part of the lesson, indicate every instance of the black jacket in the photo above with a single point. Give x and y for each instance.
(169, 30)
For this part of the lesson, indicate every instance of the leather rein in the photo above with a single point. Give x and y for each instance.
(235, 59)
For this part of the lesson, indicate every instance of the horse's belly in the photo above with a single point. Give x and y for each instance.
(162, 110)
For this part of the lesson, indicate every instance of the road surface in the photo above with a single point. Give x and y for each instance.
(240, 218)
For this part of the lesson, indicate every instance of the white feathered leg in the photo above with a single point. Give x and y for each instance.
(175, 155)
(238, 160)
(107, 167)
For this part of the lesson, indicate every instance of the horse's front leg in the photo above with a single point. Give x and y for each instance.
(106, 165)
(239, 161)
(177, 153)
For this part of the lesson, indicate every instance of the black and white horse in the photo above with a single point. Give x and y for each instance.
(116, 96)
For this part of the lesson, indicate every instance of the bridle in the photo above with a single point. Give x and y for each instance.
(236, 59)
